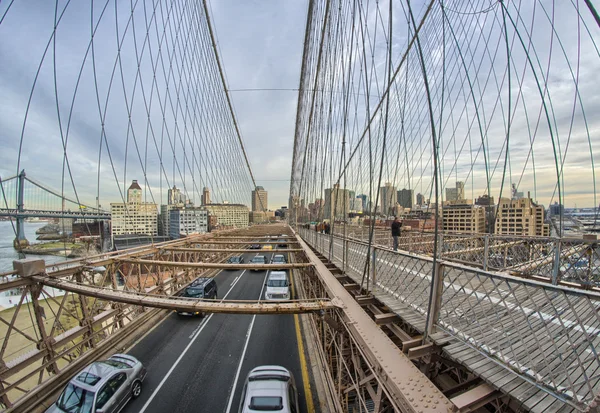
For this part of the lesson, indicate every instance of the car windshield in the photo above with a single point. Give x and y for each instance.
(271, 403)
(278, 259)
(75, 400)
(259, 259)
(116, 364)
(194, 292)
(277, 283)
(234, 259)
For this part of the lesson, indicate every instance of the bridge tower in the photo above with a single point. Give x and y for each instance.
(20, 241)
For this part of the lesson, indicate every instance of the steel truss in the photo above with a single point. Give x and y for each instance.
(67, 311)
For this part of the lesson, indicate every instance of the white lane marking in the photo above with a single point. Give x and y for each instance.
(237, 373)
(235, 280)
(162, 382)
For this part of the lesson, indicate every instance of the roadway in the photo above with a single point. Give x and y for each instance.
(200, 364)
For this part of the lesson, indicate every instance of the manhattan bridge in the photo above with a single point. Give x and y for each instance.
(485, 108)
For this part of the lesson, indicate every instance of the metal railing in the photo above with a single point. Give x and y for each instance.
(546, 334)
(558, 260)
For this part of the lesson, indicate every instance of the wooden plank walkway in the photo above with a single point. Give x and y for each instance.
(511, 326)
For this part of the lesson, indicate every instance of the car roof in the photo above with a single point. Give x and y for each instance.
(278, 255)
(100, 370)
(270, 368)
(278, 274)
(259, 256)
(200, 282)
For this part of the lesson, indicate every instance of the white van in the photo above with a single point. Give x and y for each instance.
(278, 286)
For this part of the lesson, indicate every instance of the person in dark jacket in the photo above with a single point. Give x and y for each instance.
(396, 225)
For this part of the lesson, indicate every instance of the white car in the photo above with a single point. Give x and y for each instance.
(269, 388)
(278, 286)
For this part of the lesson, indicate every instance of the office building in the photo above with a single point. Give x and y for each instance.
(174, 196)
(134, 216)
(420, 199)
(205, 196)
(337, 203)
(463, 218)
(387, 199)
(229, 215)
(259, 199)
(356, 205)
(186, 221)
(406, 197)
(457, 193)
(521, 217)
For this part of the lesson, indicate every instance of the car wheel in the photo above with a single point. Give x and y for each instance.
(136, 389)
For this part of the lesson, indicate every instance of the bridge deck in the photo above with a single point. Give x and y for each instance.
(505, 332)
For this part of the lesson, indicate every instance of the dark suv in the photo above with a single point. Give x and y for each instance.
(201, 288)
(237, 259)
(258, 259)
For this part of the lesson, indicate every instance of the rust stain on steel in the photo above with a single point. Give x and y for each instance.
(406, 384)
(180, 303)
(217, 265)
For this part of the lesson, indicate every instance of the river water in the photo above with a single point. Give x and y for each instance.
(8, 253)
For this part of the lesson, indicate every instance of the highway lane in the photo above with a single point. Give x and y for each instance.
(195, 363)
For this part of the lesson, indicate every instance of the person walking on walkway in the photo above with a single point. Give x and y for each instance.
(396, 225)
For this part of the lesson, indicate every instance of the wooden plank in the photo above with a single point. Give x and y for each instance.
(421, 351)
(365, 300)
(351, 286)
(398, 332)
(407, 345)
(473, 397)
(385, 318)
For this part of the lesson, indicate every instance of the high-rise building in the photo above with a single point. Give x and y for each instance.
(521, 217)
(229, 215)
(134, 216)
(487, 202)
(406, 197)
(356, 205)
(467, 219)
(259, 199)
(337, 203)
(365, 202)
(205, 196)
(175, 196)
(387, 198)
(420, 199)
(556, 209)
(457, 193)
(186, 221)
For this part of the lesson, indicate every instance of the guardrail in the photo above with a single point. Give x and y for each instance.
(546, 334)
(557, 260)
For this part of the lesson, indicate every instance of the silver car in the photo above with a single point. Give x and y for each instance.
(269, 388)
(102, 387)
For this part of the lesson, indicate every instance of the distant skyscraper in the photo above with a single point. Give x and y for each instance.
(134, 216)
(205, 196)
(365, 201)
(175, 196)
(259, 199)
(387, 197)
(406, 197)
(420, 199)
(337, 200)
(134, 193)
(457, 193)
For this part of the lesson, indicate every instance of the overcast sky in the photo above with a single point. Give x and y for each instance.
(261, 44)
(261, 48)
